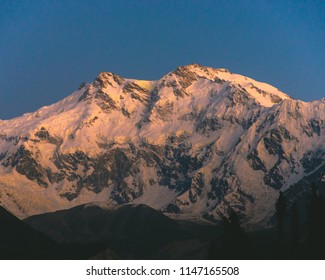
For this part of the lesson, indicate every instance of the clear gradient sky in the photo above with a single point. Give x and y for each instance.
(47, 48)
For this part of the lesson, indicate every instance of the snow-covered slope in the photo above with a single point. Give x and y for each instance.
(194, 144)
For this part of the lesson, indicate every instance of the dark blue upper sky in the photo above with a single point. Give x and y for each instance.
(47, 48)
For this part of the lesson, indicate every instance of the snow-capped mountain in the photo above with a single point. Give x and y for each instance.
(194, 144)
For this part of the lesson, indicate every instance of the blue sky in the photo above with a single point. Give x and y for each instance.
(47, 48)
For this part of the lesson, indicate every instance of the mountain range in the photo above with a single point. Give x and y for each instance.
(195, 145)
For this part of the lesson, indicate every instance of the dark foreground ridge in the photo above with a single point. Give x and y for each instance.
(140, 232)
(19, 241)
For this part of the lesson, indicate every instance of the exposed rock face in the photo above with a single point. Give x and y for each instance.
(195, 144)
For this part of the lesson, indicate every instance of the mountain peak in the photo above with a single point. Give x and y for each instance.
(108, 78)
(184, 76)
(198, 67)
